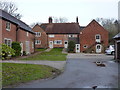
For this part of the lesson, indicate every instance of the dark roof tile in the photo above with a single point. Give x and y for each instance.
(12, 19)
(61, 28)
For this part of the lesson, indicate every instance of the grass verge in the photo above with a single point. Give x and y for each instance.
(53, 55)
(20, 73)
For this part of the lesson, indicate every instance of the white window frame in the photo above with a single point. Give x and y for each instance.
(27, 34)
(8, 23)
(10, 45)
(98, 40)
(37, 34)
(85, 46)
(55, 42)
(71, 35)
(52, 36)
(37, 42)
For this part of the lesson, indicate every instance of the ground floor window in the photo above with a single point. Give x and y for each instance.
(57, 42)
(37, 42)
(85, 46)
(8, 42)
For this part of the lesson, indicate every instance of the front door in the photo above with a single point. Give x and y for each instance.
(77, 47)
(27, 47)
(50, 44)
(66, 44)
(98, 48)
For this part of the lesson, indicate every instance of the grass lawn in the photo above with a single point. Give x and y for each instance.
(19, 73)
(54, 55)
(40, 49)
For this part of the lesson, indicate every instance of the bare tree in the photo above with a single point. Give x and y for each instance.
(10, 8)
(33, 24)
(111, 25)
(60, 20)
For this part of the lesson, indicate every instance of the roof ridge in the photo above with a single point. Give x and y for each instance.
(13, 19)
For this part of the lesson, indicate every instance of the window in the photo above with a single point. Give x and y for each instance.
(85, 46)
(27, 34)
(71, 35)
(98, 47)
(57, 42)
(8, 26)
(37, 34)
(51, 35)
(37, 42)
(8, 42)
(98, 37)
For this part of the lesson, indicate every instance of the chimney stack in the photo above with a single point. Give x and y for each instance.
(50, 20)
(77, 19)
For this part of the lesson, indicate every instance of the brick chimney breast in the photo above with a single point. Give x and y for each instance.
(50, 20)
(77, 19)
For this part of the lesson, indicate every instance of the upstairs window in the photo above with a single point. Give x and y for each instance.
(27, 34)
(51, 36)
(8, 26)
(37, 42)
(37, 34)
(98, 38)
(71, 35)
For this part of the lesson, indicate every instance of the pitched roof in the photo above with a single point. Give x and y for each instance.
(61, 28)
(14, 20)
(117, 36)
(82, 27)
(44, 25)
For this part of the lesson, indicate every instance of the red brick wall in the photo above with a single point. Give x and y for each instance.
(21, 35)
(0, 31)
(8, 34)
(61, 37)
(42, 38)
(22, 38)
(87, 35)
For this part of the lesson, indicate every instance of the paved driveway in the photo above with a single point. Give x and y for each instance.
(81, 72)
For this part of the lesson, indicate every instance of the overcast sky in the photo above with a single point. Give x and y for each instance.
(86, 10)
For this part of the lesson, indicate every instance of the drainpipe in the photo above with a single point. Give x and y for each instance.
(17, 32)
(47, 41)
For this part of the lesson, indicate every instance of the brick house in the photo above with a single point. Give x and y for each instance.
(117, 46)
(13, 29)
(58, 34)
(40, 37)
(92, 37)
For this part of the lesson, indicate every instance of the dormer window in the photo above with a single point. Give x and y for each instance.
(8, 26)
(71, 35)
(98, 38)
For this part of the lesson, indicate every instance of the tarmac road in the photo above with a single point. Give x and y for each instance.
(82, 72)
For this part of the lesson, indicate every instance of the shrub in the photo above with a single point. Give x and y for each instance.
(6, 51)
(71, 46)
(16, 46)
